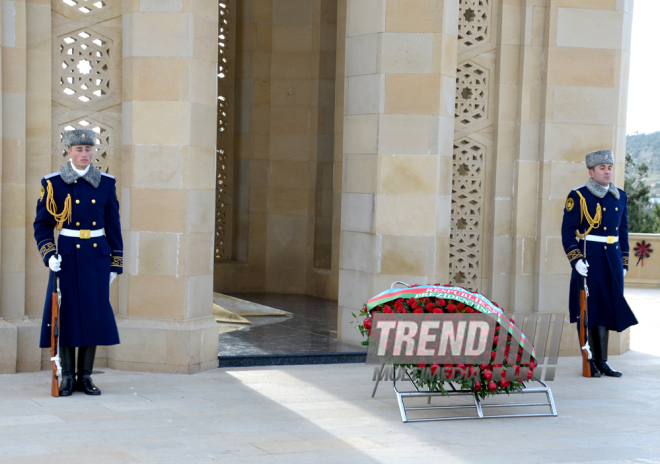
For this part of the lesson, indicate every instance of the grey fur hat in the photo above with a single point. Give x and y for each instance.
(599, 157)
(79, 137)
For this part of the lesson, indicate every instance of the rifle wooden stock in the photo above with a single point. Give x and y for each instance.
(54, 334)
(586, 367)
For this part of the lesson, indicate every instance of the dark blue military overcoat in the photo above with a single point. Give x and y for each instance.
(86, 317)
(606, 304)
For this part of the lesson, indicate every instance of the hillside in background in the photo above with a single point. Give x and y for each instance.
(646, 148)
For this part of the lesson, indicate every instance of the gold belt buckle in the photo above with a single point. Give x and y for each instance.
(610, 239)
(86, 233)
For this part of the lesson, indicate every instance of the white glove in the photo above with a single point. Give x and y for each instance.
(581, 267)
(54, 263)
(113, 276)
(624, 272)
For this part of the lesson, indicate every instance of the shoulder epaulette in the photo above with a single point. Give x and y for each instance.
(107, 175)
(579, 187)
(52, 174)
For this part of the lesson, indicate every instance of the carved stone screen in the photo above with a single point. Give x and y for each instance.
(225, 136)
(86, 78)
(472, 141)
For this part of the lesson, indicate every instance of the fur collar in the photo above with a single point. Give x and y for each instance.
(599, 191)
(93, 175)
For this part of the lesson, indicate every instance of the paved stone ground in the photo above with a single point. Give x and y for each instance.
(325, 414)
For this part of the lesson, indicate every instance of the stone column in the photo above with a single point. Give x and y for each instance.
(400, 89)
(562, 90)
(168, 202)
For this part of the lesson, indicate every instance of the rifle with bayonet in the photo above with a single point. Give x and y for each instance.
(584, 324)
(54, 336)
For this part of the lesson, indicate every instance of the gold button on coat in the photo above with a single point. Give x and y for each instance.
(77, 223)
(94, 223)
(95, 246)
(77, 201)
(604, 209)
(75, 181)
(604, 228)
(605, 247)
(93, 201)
(77, 246)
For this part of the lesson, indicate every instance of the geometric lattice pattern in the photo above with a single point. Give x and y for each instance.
(471, 94)
(85, 6)
(104, 140)
(474, 22)
(221, 249)
(84, 66)
(466, 213)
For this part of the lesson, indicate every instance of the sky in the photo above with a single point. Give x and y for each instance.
(644, 86)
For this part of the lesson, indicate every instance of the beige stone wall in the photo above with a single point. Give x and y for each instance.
(142, 75)
(547, 82)
(400, 88)
(646, 274)
(168, 161)
(282, 193)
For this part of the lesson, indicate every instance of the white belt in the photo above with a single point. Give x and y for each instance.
(82, 233)
(609, 239)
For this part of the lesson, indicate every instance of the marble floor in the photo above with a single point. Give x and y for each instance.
(311, 330)
(325, 414)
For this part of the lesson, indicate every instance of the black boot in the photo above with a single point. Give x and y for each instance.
(68, 361)
(85, 366)
(592, 363)
(601, 357)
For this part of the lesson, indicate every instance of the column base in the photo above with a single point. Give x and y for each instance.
(165, 346)
(19, 344)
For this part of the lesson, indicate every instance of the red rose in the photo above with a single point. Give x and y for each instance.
(529, 374)
(495, 338)
(421, 365)
(401, 309)
(469, 310)
(441, 302)
(434, 368)
(477, 386)
(461, 366)
(461, 306)
(505, 383)
(418, 310)
(474, 372)
(492, 355)
(367, 323)
(518, 358)
(488, 375)
(388, 309)
(411, 302)
(483, 367)
(532, 364)
(451, 308)
(430, 306)
(492, 386)
(437, 310)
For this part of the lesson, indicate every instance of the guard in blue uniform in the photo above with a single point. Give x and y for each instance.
(595, 238)
(81, 203)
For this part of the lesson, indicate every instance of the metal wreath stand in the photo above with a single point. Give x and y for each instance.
(476, 403)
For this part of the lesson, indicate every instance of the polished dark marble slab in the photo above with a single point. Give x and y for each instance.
(309, 337)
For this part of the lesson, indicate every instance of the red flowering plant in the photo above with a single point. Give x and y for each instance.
(506, 371)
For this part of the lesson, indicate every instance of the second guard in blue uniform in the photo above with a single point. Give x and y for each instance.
(595, 239)
(82, 204)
